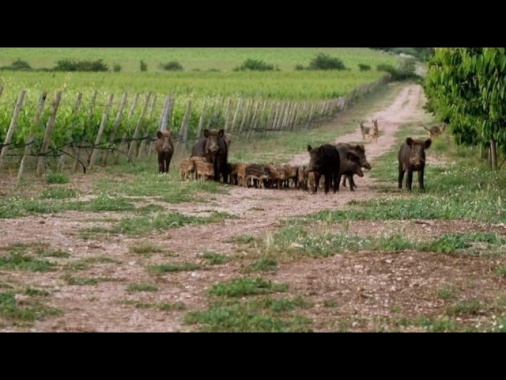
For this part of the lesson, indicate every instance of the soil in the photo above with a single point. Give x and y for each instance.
(365, 290)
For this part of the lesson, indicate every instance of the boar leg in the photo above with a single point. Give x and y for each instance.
(409, 179)
(420, 180)
(401, 175)
(316, 182)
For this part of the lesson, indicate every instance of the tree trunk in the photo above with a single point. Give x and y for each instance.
(493, 154)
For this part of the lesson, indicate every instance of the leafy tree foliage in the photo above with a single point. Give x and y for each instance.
(466, 88)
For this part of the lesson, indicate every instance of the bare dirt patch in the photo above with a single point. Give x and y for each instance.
(365, 291)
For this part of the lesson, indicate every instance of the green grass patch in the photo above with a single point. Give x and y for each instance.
(162, 306)
(19, 261)
(86, 263)
(443, 324)
(158, 221)
(295, 240)
(59, 178)
(467, 307)
(17, 312)
(168, 189)
(17, 207)
(501, 270)
(240, 287)
(36, 292)
(143, 287)
(58, 193)
(54, 253)
(145, 249)
(267, 263)
(213, 258)
(82, 281)
(263, 315)
(447, 292)
(165, 268)
(241, 239)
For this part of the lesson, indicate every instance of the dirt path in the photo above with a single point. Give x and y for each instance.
(395, 279)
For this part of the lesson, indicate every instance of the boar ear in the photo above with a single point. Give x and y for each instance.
(206, 133)
(309, 149)
(409, 141)
(427, 143)
(221, 132)
(361, 147)
(159, 134)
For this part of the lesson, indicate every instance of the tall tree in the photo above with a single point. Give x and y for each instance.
(466, 88)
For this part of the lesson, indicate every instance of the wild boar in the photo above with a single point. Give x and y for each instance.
(187, 168)
(214, 147)
(359, 150)
(256, 175)
(165, 149)
(325, 161)
(302, 178)
(277, 175)
(203, 170)
(411, 159)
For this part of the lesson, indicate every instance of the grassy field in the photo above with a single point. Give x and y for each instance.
(192, 59)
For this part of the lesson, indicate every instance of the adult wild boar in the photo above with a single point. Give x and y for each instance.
(325, 161)
(350, 165)
(214, 147)
(165, 149)
(359, 151)
(411, 159)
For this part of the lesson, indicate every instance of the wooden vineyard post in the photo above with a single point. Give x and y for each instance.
(105, 116)
(41, 166)
(201, 121)
(123, 143)
(70, 141)
(133, 143)
(116, 124)
(164, 122)
(227, 115)
(246, 117)
(77, 150)
(236, 114)
(183, 131)
(29, 141)
(12, 126)
(142, 146)
(253, 123)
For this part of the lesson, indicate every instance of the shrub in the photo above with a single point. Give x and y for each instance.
(144, 66)
(299, 67)
(406, 71)
(72, 65)
(171, 66)
(18, 64)
(255, 65)
(116, 68)
(364, 67)
(325, 62)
